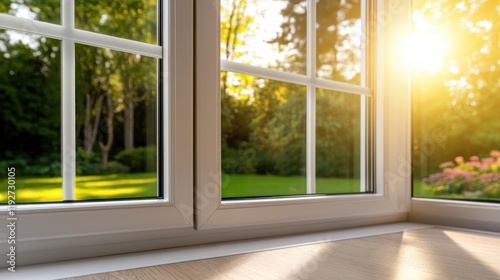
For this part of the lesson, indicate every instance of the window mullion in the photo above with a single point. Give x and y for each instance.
(311, 99)
(363, 99)
(68, 104)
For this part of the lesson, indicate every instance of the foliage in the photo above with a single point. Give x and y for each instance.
(264, 121)
(46, 166)
(238, 161)
(141, 159)
(87, 162)
(455, 104)
(30, 86)
(115, 167)
(474, 178)
(30, 117)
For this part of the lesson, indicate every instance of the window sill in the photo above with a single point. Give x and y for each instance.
(475, 215)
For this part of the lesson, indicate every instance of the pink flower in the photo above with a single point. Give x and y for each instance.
(474, 158)
(495, 153)
(459, 159)
(446, 164)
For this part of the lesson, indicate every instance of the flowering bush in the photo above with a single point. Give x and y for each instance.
(474, 178)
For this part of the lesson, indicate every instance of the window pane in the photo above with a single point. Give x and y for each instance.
(43, 10)
(130, 19)
(263, 137)
(338, 40)
(338, 129)
(456, 96)
(265, 33)
(30, 118)
(116, 121)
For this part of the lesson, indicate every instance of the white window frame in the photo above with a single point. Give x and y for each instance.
(51, 227)
(212, 212)
(66, 231)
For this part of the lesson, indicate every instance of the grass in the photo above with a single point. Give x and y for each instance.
(30, 189)
(140, 185)
(268, 185)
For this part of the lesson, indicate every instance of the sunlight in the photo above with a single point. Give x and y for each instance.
(469, 243)
(427, 48)
(412, 261)
(262, 22)
(40, 195)
(108, 193)
(52, 180)
(114, 183)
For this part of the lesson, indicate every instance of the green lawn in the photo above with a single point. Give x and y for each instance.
(140, 185)
(268, 185)
(144, 185)
(87, 187)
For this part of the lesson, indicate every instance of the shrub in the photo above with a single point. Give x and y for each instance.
(474, 178)
(44, 166)
(142, 159)
(88, 163)
(114, 167)
(238, 161)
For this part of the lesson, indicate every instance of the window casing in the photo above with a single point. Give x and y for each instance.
(66, 231)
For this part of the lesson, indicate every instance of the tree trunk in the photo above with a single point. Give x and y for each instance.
(90, 131)
(129, 116)
(105, 148)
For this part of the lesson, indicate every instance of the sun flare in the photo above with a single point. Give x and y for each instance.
(427, 49)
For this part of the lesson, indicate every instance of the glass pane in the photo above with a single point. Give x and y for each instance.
(30, 116)
(338, 126)
(263, 137)
(265, 33)
(338, 40)
(456, 96)
(130, 19)
(42, 10)
(116, 120)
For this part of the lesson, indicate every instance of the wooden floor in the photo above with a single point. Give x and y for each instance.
(433, 253)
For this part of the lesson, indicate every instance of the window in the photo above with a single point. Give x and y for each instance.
(65, 70)
(80, 109)
(455, 85)
(194, 209)
(295, 98)
(317, 86)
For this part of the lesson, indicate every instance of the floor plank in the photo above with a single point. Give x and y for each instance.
(434, 253)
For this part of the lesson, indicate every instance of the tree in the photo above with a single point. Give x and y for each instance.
(111, 86)
(30, 124)
(338, 57)
(338, 50)
(133, 20)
